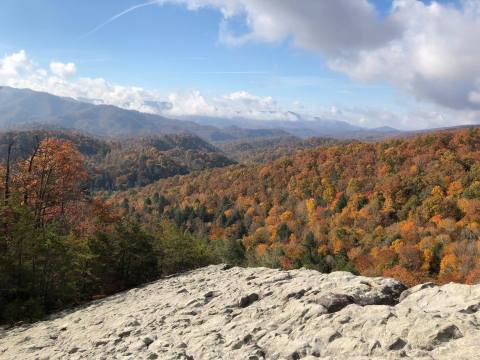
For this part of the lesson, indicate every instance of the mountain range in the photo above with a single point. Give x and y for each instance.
(20, 108)
(303, 127)
(24, 108)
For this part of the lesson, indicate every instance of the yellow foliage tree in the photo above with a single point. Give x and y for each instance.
(449, 264)
(310, 206)
(455, 188)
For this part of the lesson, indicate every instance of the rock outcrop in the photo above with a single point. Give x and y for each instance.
(233, 313)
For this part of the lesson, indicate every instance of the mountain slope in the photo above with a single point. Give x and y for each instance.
(22, 107)
(234, 313)
(25, 141)
(407, 208)
(141, 161)
(115, 164)
(304, 128)
(263, 150)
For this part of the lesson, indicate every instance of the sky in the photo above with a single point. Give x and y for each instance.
(409, 64)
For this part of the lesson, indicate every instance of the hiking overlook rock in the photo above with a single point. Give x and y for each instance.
(220, 312)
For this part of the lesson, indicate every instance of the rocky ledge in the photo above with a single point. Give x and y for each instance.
(233, 313)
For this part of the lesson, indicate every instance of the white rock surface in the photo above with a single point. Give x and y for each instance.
(221, 313)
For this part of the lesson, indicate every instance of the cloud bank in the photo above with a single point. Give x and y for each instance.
(18, 70)
(431, 51)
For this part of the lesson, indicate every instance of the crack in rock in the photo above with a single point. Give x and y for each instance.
(223, 312)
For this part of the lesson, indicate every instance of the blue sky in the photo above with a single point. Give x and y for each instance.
(169, 48)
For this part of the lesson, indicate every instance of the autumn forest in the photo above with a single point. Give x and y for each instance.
(83, 217)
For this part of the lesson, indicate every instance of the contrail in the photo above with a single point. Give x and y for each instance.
(115, 17)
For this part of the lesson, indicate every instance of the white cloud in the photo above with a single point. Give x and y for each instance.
(63, 69)
(240, 104)
(325, 26)
(436, 59)
(13, 65)
(336, 27)
(430, 50)
(18, 70)
(412, 119)
(475, 97)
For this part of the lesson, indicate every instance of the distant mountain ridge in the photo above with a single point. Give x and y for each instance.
(20, 108)
(303, 128)
(25, 109)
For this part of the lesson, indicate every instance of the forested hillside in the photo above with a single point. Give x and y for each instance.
(24, 141)
(263, 150)
(141, 161)
(61, 245)
(121, 164)
(407, 208)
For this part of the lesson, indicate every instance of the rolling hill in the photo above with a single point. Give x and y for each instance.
(121, 164)
(407, 207)
(263, 150)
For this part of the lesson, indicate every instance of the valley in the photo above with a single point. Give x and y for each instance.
(406, 208)
(240, 180)
(131, 208)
